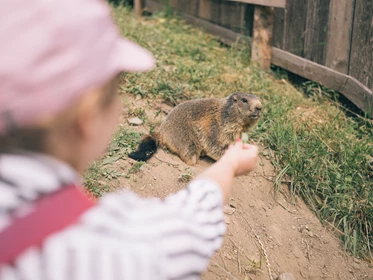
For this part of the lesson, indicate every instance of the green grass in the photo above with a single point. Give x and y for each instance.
(100, 174)
(323, 153)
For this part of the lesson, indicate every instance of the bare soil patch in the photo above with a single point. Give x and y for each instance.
(292, 237)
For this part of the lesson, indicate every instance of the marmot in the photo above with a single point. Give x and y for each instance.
(202, 127)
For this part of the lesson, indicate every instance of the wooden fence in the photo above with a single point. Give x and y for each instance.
(327, 41)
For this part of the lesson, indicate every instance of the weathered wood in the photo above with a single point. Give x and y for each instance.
(278, 28)
(361, 59)
(354, 90)
(231, 15)
(339, 35)
(138, 7)
(308, 69)
(172, 3)
(204, 10)
(216, 11)
(189, 7)
(316, 34)
(168, 3)
(295, 25)
(262, 39)
(269, 3)
(225, 35)
(154, 6)
(359, 94)
(248, 25)
(242, 11)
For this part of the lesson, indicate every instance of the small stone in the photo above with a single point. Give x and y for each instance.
(228, 210)
(227, 220)
(293, 227)
(310, 233)
(231, 204)
(356, 260)
(356, 266)
(135, 121)
(138, 96)
(286, 276)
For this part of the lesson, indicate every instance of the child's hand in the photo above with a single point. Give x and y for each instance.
(238, 159)
(242, 157)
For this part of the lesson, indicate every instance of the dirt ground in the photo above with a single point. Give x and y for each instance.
(292, 237)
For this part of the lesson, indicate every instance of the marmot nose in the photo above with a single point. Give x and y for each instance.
(258, 109)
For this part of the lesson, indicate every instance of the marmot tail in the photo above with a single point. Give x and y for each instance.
(146, 149)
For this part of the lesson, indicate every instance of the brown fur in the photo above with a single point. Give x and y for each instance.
(206, 127)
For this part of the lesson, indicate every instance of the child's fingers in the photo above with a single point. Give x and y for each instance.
(251, 150)
(249, 146)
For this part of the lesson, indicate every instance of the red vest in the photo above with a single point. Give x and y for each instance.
(49, 215)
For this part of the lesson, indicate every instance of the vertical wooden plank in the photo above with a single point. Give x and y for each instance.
(339, 35)
(242, 19)
(138, 8)
(172, 3)
(204, 9)
(216, 11)
(166, 3)
(361, 59)
(278, 28)
(295, 25)
(230, 15)
(316, 34)
(249, 20)
(189, 7)
(263, 26)
(193, 7)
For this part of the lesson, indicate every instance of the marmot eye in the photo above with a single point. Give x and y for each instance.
(244, 100)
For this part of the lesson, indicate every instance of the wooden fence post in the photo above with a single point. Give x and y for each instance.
(261, 51)
(138, 7)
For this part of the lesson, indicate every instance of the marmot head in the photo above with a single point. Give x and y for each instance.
(247, 105)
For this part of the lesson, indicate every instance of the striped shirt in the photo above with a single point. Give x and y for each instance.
(122, 237)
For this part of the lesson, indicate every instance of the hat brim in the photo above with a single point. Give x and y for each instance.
(132, 57)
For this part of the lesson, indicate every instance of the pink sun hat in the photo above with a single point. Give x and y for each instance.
(52, 51)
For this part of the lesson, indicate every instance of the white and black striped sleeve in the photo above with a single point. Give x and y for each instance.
(187, 227)
(189, 248)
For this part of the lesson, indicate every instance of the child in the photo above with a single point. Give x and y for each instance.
(59, 67)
